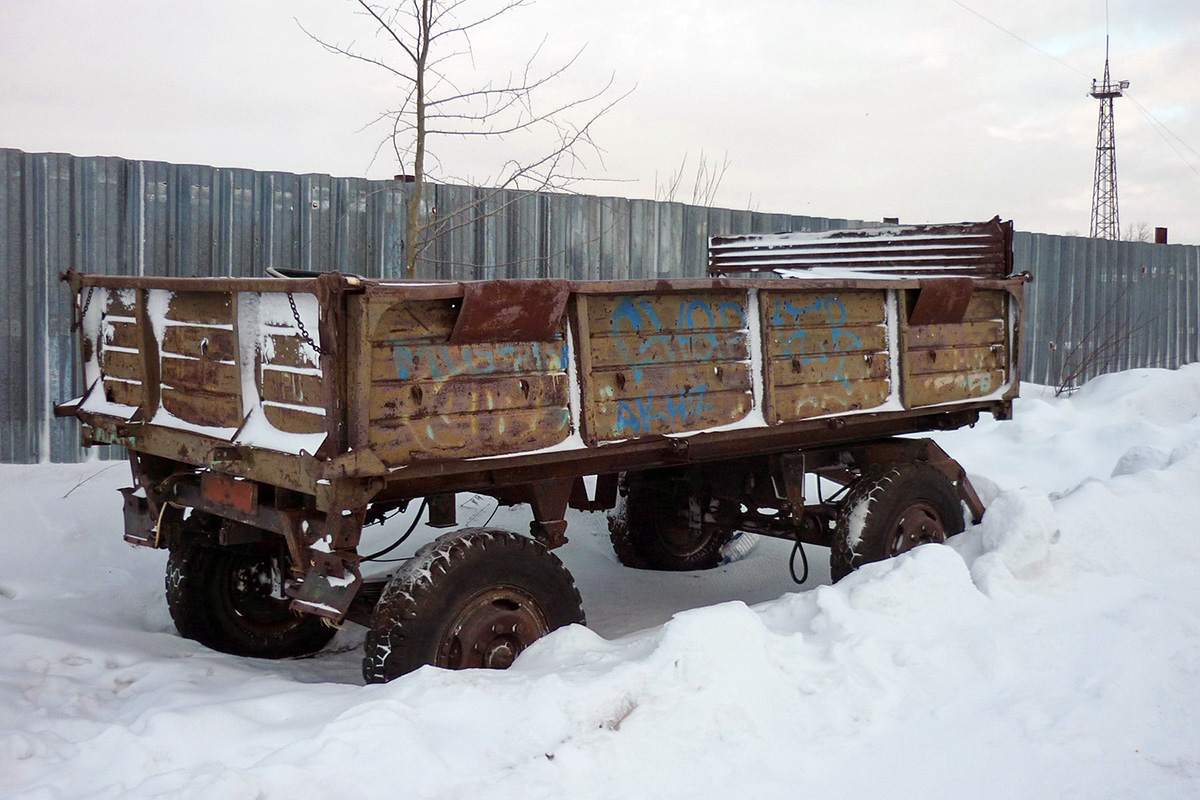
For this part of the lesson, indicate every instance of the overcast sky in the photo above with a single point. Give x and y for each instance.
(917, 109)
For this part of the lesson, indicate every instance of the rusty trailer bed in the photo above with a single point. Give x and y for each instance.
(273, 418)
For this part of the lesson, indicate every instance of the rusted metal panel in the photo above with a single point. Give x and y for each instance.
(870, 366)
(119, 333)
(953, 362)
(201, 375)
(986, 304)
(947, 387)
(640, 350)
(660, 381)
(510, 311)
(123, 392)
(123, 364)
(227, 491)
(202, 408)
(825, 352)
(294, 420)
(618, 314)
(685, 409)
(944, 300)
(417, 399)
(291, 388)
(411, 320)
(201, 308)
(823, 342)
(968, 334)
(469, 435)
(428, 361)
(958, 359)
(807, 307)
(200, 342)
(288, 350)
(818, 399)
(658, 362)
(426, 397)
(976, 249)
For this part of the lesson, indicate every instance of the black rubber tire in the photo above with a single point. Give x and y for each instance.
(476, 597)
(891, 510)
(649, 529)
(217, 597)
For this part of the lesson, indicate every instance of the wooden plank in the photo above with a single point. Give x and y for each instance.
(679, 412)
(658, 313)
(121, 364)
(293, 388)
(288, 350)
(806, 309)
(213, 377)
(924, 390)
(470, 435)
(127, 394)
(626, 384)
(202, 408)
(985, 305)
(819, 342)
(413, 320)
(204, 308)
(969, 334)
(195, 341)
(437, 362)
(838, 368)
(294, 420)
(396, 400)
(962, 359)
(790, 403)
(122, 334)
(633, 350)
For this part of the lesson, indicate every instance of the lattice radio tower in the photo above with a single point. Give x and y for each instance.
(1105, 222)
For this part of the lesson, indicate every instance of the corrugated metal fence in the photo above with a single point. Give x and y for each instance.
(1135, 304)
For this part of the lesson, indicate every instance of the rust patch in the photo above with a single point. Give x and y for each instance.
(510, 311)
(224, 490)
(942, 301)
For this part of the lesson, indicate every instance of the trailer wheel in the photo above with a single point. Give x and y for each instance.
(476, 597)
(649, 528)
(891, 510)
(226, 599)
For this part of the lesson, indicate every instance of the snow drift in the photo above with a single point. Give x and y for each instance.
(1052, 651)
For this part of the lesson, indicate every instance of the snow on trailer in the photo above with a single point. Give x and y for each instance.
(269, 420)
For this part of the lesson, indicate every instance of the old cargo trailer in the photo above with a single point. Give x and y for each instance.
(267, 421)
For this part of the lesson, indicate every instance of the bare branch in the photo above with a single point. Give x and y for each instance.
(426, 40)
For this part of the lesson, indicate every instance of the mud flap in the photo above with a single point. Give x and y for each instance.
(140, 524)
(329, 587)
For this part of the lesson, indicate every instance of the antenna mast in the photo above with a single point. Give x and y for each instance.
(1105, 222)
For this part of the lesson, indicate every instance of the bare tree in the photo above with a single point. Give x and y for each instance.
(427, 46)
(1098, 348)
(706, 180)
(1138, 232)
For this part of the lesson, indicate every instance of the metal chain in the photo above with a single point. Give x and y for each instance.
(300, 324)
(87, 301)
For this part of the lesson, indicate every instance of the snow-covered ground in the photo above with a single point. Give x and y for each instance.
(1051, 652)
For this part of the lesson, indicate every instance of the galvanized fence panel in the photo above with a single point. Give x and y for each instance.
(1093, 306)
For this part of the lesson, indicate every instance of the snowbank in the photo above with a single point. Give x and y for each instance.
(1052, 651)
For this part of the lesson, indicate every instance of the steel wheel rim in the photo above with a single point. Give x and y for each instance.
(919, 523)
(248, 597)
(491, 629)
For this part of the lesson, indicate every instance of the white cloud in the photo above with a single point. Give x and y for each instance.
(921, 110)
